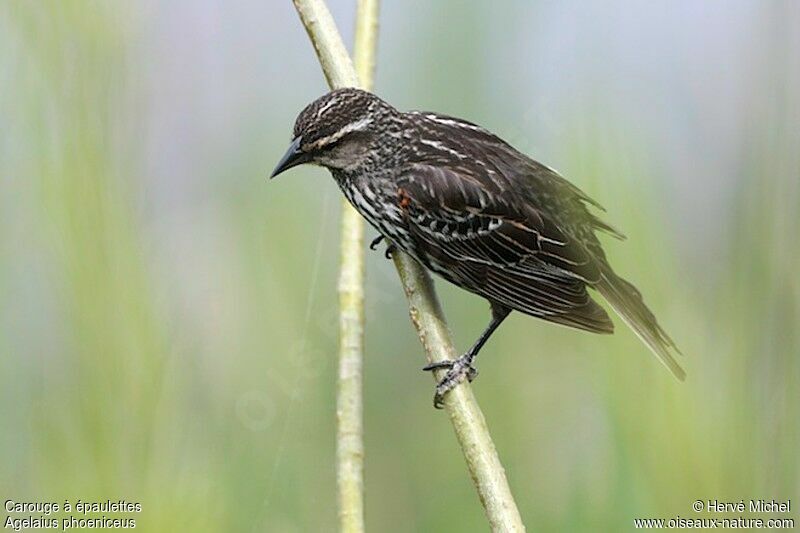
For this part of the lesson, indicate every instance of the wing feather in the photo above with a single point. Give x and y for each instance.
(508, 253)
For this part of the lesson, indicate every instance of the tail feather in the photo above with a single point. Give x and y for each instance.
(629, 305)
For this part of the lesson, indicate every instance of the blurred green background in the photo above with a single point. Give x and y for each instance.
(168, 316)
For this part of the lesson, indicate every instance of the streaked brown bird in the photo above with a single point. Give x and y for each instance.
(471, 208)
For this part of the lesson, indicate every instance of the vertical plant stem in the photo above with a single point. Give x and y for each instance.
(468, 422)
(349, 399)
(366, 42)
(349, 396)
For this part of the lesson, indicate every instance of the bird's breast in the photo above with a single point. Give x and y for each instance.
(378, 205)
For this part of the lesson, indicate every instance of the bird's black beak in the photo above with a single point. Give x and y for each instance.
(293, 157)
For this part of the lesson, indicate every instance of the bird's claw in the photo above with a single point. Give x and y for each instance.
(457, 370)
(375, 242)
(390, 248)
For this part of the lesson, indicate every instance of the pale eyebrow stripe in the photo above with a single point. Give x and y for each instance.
(347, 128)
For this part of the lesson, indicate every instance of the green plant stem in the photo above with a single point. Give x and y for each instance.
(470, 427)
(349, 398)
(468, 422)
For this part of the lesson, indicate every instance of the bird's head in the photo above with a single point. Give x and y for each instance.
(336, 130)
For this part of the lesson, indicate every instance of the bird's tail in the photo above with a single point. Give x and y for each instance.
(628, 303)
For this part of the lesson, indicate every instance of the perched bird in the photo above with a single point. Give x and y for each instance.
(474, 210)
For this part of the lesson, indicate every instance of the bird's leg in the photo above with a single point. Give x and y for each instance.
(461, 368)
(390, 248)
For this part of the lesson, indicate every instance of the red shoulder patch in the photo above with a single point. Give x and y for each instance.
(402, 198)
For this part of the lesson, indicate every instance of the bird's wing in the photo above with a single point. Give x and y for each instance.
(446, 206)
(506, 251)
(513, 169)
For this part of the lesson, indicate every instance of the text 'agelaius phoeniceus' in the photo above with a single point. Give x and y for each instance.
(474, 210)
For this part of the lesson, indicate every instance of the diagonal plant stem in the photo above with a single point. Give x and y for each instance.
(466, 416)
(468, 422)
(349, 398)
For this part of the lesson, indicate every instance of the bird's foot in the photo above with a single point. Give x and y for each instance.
(457, 370)
(390, 248)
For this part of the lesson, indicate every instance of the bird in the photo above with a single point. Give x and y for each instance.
(474, 210)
